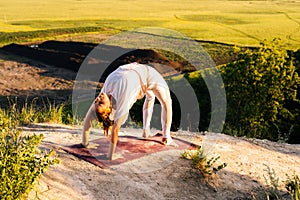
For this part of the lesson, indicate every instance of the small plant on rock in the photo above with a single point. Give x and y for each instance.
(200, 161)
(272, 191)
(293, 186)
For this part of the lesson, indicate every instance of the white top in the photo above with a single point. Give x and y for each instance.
(125, 86)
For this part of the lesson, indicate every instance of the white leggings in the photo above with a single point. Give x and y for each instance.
(163, 95)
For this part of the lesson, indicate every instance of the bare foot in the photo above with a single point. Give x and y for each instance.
(145, 134)
(115, 156)
(92, 146)
(169, 142)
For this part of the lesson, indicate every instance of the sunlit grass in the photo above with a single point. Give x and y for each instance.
(27, 112)
(235, 22)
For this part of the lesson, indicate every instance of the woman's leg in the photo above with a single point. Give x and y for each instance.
(147, 112)
(164, 97)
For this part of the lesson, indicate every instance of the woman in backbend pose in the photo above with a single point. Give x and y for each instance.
(121, 89)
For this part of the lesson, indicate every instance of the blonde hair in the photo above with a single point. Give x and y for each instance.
(103, 116)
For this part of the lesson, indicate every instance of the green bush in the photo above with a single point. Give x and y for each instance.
(21, 161)
(260, 85)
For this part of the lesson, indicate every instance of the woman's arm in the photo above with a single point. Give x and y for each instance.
(114, 136)
(113, 141)
(89, 117)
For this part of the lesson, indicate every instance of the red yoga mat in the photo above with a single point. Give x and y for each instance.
(129, 147)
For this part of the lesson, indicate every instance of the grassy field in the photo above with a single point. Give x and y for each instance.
(229, 21)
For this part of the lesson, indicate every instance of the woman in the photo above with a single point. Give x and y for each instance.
(121, 89)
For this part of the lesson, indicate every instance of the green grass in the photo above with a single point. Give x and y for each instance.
(29, 111)
(234, 22)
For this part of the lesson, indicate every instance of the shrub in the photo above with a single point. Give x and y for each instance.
(260, 86)
(21, 161)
